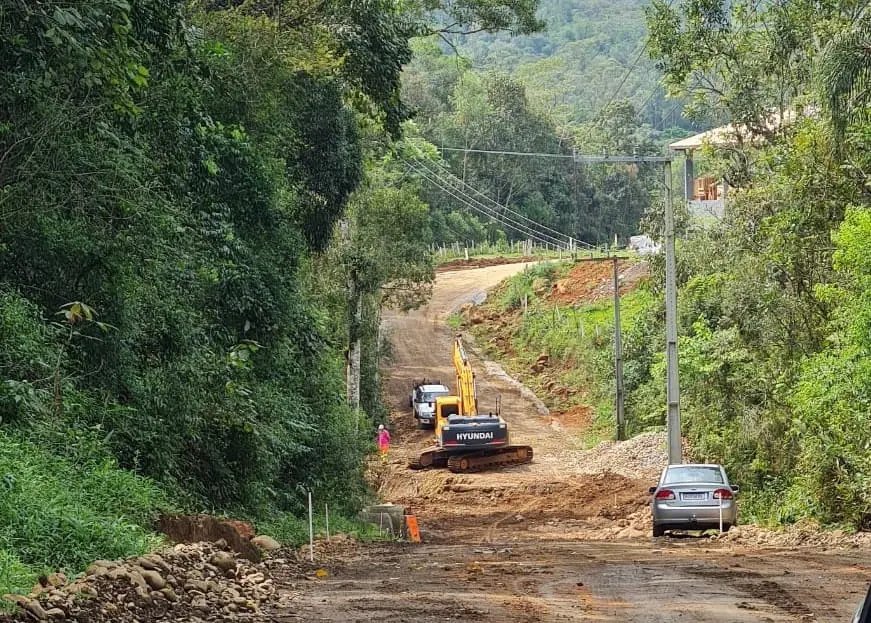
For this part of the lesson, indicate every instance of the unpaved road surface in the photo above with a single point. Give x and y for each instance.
(548, 541)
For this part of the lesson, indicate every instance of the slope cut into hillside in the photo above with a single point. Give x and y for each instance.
(552, 328)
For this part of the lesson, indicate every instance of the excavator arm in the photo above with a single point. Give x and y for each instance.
(465, 380)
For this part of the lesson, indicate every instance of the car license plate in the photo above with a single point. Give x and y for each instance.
(693, 496)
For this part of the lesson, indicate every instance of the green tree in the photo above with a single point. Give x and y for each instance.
(385, 254)
(845, 76)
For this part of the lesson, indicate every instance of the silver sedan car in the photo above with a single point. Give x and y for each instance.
(693, 497)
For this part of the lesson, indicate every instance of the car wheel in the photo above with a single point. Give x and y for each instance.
(658, 530)
(726, 527)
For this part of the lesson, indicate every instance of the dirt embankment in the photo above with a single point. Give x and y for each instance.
(590, 281)
(554, 379)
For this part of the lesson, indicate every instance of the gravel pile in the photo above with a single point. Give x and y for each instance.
(197, 582)
(643, 456)
(802, 534)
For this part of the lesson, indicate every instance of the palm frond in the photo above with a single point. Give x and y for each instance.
(844, 75)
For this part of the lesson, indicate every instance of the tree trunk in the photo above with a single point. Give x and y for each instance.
(355, 307)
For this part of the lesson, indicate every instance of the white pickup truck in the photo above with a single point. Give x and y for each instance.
(423, 401)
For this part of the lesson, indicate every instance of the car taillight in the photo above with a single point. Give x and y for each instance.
(665, 494)
(722, 494)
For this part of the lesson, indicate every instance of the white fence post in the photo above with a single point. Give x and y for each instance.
(311, 530)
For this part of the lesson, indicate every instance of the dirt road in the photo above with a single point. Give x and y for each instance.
(550, 541)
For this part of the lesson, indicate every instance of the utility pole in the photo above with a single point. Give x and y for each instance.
(618, 358)
(672, 395)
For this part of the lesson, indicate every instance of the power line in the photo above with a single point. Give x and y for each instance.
(499, 212)
(577, 157)
(648, 99)
(476, 206)
(500, 207)
(625, 78)
(627, 74)
(506, 153)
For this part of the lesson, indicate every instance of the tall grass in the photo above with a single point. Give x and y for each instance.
(291, 530)
(56, 514)
(15, 576)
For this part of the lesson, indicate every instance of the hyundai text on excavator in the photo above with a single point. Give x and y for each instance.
(465, 440)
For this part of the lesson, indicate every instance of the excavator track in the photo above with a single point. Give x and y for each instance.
(435, 457)
(512, 455)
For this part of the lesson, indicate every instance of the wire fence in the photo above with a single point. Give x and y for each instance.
(470, 249)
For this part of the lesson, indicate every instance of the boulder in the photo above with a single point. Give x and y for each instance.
(223, 561)
(153, 579)
(266, 543)
(36, 609)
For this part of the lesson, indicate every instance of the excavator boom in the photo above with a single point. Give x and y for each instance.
(465, 380)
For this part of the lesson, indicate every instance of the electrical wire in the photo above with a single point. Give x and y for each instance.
(625, 78)
(497, 212)
(473, 204)
(500, 207)
(507, 153)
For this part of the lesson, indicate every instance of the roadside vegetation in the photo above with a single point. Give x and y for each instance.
(561, 344)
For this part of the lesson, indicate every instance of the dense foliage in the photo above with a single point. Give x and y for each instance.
(581, 61)
(584, 84)
(773, 297)
(172, 180)
(458, 107)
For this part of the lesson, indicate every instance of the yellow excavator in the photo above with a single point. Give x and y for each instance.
(467, 441)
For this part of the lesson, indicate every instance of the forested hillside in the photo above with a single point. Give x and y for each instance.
(458, 107)
(579, 61)
(192, 199)
(583, 82)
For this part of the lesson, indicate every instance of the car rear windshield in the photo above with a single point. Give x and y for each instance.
(677, 475)
(431, 396)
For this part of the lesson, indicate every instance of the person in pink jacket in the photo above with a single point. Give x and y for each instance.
(383, 442)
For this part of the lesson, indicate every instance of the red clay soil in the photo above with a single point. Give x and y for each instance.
(591, 281)
(579, 417)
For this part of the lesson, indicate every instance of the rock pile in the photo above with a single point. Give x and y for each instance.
(802, 534)
(643, 456)
(196, 582)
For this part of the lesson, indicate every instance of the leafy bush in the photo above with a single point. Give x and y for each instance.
(56, 514)
(15, 577)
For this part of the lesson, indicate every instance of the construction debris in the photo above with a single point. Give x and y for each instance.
(188, 582)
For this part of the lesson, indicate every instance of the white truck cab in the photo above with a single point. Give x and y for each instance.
(423, 402)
